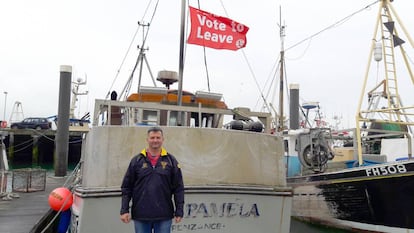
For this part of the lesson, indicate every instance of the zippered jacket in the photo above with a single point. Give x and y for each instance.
(153, 189)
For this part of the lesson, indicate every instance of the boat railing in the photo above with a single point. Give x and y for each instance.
(129, 113)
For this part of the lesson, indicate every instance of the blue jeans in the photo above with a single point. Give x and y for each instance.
(160, 226)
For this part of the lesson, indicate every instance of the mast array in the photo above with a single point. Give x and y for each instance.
(385, 106)
(282, 67)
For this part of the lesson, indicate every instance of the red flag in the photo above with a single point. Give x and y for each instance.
(215, 31)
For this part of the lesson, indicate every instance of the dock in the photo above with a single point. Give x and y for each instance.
(36, 148)
(21, 214)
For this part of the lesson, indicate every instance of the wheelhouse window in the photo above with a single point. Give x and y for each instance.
(173, 116)
(206, 120)
(150, 117)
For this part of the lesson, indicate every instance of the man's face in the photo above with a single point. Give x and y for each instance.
(155, 140)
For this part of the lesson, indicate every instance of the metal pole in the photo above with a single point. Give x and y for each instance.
(5, 103)
(181, 62)
(62, 132)
(294, 106)
(282, 63)
(281, 118)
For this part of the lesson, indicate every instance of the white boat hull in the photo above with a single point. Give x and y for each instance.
(220, 209)
(234, 181)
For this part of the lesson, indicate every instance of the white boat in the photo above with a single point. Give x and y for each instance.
(234, 179)
(233, 168)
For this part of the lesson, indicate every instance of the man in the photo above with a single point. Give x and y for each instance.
(152, 179)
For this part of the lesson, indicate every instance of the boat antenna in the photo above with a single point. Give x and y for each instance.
(75, 93)
(141, 56)
(139, 62)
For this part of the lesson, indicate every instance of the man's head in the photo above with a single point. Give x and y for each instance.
(155, 138)
(154, 129)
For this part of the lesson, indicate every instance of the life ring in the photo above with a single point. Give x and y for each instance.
(3, 124)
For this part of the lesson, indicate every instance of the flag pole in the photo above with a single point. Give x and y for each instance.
(181, 60)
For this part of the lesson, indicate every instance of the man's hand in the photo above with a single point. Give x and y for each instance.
(125, 218)
(177, 219)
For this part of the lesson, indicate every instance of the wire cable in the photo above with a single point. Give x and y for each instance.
(332, 25)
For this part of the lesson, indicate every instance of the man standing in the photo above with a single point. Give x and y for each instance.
(153, 178)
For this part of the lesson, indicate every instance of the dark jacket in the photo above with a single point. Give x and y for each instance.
(152, 188)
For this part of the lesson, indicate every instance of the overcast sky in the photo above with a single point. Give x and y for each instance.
(93, 37)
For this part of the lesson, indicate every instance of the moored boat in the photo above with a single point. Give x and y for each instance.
(366, 185)
(233, 169)
(234, 179)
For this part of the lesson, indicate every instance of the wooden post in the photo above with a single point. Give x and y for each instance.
(35, 150)
(11, 149)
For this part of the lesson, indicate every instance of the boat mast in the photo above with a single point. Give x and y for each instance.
(393, 112)
(138, 64)
(75, 94)
(282, 62)
(142, 57)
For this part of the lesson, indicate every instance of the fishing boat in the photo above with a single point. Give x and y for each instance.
(234, 175)
(367, 184)
(233, 168)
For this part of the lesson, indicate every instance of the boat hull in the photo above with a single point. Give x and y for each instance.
(376, 198)
(234, 180)
(209, 208)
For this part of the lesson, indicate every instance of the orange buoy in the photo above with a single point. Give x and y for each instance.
(60, 197)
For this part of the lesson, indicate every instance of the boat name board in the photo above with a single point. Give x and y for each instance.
(227, 209)
(195, 227)
(214, 211)
(386, 170)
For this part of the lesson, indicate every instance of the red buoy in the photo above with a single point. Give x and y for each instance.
(60, 197)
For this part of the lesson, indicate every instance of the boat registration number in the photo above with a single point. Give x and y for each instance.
(386, 170)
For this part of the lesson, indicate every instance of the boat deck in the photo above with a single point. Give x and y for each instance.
(19, 215)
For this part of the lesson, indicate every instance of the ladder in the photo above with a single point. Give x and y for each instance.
(388, 88)
(388, 45)
(384, 101)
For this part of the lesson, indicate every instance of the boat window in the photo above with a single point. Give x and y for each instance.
(116, 115)
(207, 120)
(286, 142)
(172, 120)
(203, 122)
(150, 117)
(194, 119)
(135, 115)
